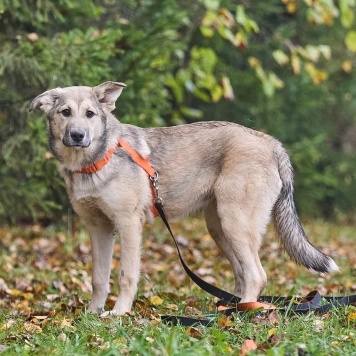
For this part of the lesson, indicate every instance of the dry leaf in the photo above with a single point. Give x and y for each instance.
(32, 328)
(351, 315)
(247, 346)
(62, 337)
(156, 300)
(272, 331)
(7, 325)
(225, 321)
(193, 332)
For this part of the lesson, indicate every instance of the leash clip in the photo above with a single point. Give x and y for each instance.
(154, 182)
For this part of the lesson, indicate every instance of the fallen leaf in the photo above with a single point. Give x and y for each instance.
(32, 328)
(62, 337)
(172, 306)
(272, 331)
(7, 325)
(194, 332)
(225, 321)
(192, 310)
(3, 285)
(351, 315)
(247, 346)
(156, 300)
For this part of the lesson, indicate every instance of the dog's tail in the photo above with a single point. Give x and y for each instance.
(288, 226)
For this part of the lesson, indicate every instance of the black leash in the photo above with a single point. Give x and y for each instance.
(229, 303)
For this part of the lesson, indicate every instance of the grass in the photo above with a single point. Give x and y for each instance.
(45, 286)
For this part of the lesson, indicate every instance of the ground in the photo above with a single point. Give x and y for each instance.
(45, 284)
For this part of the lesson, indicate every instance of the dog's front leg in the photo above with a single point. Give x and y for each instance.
(102, 244)
(130, 231)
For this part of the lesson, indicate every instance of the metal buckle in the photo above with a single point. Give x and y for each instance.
(154, 182)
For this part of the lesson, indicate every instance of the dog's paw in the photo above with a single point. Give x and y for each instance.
(109, 313)
(114, 312)
(95, 310)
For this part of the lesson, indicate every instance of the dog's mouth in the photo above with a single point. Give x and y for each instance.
(76, 145)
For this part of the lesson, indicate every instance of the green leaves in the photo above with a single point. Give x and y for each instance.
(347, 12)
(270, 81)
(350, 41)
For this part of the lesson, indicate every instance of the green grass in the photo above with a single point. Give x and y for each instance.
(45, 286)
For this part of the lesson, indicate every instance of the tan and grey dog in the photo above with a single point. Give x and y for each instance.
(238, 177)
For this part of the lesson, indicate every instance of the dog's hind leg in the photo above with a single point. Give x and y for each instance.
(244, 245)
(215, 230)
(102, 243)
(244, 211)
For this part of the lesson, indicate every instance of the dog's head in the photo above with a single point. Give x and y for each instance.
(76, 109)
(77, 116)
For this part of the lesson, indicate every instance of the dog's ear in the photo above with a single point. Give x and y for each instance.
(45, 101)
(108, 93)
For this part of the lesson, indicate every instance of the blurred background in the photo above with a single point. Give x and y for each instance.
(285, 67)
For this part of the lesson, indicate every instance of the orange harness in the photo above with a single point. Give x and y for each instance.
(144, 163)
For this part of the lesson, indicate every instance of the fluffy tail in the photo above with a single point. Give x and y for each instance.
(288, 226)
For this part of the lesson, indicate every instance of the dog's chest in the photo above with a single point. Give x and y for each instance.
(84, 186)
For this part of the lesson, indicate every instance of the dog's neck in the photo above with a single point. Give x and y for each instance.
(98, 165)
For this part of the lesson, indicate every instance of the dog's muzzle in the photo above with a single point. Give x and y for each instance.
(76, 137)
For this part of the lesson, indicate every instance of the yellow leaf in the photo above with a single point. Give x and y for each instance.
(229, 349)
(280, 57)
(156, 300)
(272, 331)
(225, 321)
(351, 315)
(295, 62)
(227, 88)
(14, 292)
(350, 41)
(292, 8)
(347, 68)
(254, 62)
(68, 324)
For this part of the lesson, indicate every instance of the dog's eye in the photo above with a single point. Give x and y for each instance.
(65, 112)
(90, 114)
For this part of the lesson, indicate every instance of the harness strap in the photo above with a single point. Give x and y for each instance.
(98, 165)
(144, 163)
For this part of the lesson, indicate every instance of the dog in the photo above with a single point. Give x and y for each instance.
(238, 177)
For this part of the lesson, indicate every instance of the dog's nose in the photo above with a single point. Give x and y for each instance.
(77, 135)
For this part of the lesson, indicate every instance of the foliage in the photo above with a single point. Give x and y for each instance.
(285, 67)
(45, 287)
